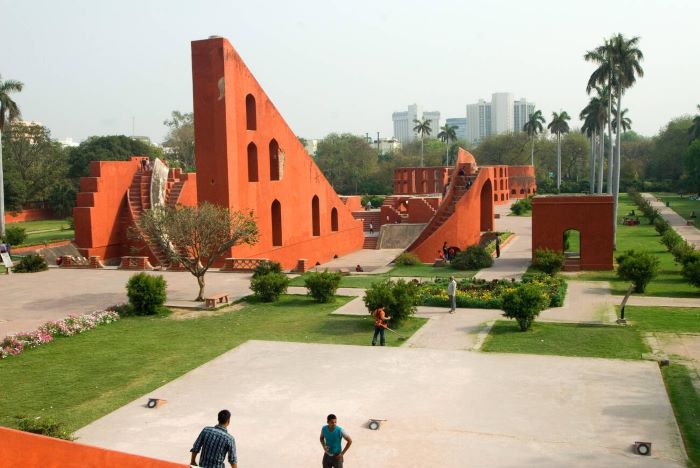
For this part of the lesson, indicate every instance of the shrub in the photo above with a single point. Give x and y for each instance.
(517, 208)
(524, 304)
(44, 426)
(399, 299)
(638, 267)
(407, 258)
(548, 261)
(269, 287)
(15, 235)
(661, 225)
(376, 200)
(691, 271)
(683, 253)
(266, 267)
(473, 257)
(322, 286)
(31, 264)
(670, 239)
(146, 293)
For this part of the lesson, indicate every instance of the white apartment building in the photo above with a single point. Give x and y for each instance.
(521, 113)
(478, 121)
(461, 124)
(501, 113)
(404, 122)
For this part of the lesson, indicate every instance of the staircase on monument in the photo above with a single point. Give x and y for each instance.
(442, 215)
(391, 201)
(139, 200)
(367, 217)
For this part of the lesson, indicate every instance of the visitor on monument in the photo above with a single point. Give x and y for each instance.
(371, 228)
(214, 443)
(461, 172)
(380, 325)
(368, 205)
(143, 165)
(452, 294)
(358, 268)
(445, 253)
(331, 438)
(498, 247)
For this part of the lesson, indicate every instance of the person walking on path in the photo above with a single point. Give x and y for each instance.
(380, 324)
(452, 294)
(215, 442)
(498, 247)
(332, 437)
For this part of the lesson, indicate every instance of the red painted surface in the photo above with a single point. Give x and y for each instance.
(353, 202)
(29, 450)
(591, 215)
(421, 180)
(522, 181)
(32, 214)
(222, 87)
(421, 210)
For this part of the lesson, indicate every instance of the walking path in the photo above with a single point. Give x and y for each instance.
(516, 255)
(677, 222)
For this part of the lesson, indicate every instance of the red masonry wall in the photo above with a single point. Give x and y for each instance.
(32, 214)
(522, 181)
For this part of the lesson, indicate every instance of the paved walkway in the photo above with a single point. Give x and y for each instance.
(679, 224)
(516, 256)
(370, 260)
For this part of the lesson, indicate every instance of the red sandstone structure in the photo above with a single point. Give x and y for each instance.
(590, 215)
(248, 159)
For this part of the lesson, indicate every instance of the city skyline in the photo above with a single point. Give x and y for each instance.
(320, 76)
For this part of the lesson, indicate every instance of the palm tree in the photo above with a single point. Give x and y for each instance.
(447, 134)
(590, 128)
(694, 130)
(624, 120)
(9, 110)
(532, 127)
(559, 125)
(423, 128)
(602, 114)
(625, 58)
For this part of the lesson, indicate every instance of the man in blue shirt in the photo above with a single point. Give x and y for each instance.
(331, 441)
(215, 442)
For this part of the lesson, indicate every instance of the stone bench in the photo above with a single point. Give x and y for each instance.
(212, 300)
(241, 264)
(135, 263)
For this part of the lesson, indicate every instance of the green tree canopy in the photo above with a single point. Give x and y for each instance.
(179, 142)
(107, 148)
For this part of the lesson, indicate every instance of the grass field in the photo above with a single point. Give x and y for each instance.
(669, 282)
(663, 319)
(683, 206)
(81, 378)
(566, 339)
(686, 406)
(409, 271)
(45, 231)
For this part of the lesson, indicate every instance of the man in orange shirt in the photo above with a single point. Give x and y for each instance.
(380, 324)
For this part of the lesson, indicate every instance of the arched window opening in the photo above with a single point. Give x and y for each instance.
(252, 163)
(503, 197)
(315, 216)
(250, 117)
(274, 160)
(276, 215)
(495, 197)
(512, 191)
(334, 219)
(501, 184)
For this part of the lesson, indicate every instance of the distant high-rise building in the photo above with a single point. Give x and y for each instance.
(478, 121)
(521, 113)
(461, 124)
(404, 122)
(501, 113)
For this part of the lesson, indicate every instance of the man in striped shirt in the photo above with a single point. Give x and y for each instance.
(215, 442)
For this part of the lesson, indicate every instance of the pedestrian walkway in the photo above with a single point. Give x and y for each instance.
(677, 222)
(516, 256)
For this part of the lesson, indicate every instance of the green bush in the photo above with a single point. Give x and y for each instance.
(661, 225)
(407, 258)
(670, 239)
(474, 257)
(517, 208)
(322, 286)
(44, 426)
(376, 200)
(683, 253)
(691, 271)
(399, 299)
(146, 293)
(638, 267)
(31, 264)
(15, 235)
(524, 304)
(266, 267)
(548, 261)
(269, 287)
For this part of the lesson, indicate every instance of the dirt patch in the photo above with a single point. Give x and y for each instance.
(189, 314)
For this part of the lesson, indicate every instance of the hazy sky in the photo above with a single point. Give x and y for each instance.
(338, 66)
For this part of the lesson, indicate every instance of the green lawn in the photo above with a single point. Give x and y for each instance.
(415, 271)
(664, 319)
(45, 231)
(566, 339)
(686, 406)
(669, 282)
(81, 378)
(683, 206)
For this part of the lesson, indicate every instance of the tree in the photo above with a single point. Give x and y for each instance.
(694, 130)
(179, 142)
(524, 303)
(448, 133)
(574, 150)
(559, 125)
(532, 127)
(196, 237)
(107, 148)
(692, 163)
(626, 122)
(422, 128)
(640, 267)
(595, 116)
(348, 162)
(9, 111)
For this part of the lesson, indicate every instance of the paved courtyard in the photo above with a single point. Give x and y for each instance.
(444, 408)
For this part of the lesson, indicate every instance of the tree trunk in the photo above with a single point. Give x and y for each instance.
(2, 193)
(601, 159)
(558, 160)
(591, 184)
(611, 156)
(421, 151)
(616, 177)
(532, 151)
(200, 282)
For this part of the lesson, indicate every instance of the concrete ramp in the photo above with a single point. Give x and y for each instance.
(399, 236)
(51, 253)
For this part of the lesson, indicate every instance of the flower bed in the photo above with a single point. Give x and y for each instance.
(12, 345)
(480, 294)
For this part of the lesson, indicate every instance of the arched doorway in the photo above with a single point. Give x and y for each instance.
(250, 117)
(334, 219)
(274, 160)
(572, 244)
(486, 206)
(252, 163)
(276, 215)
(315, 216)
